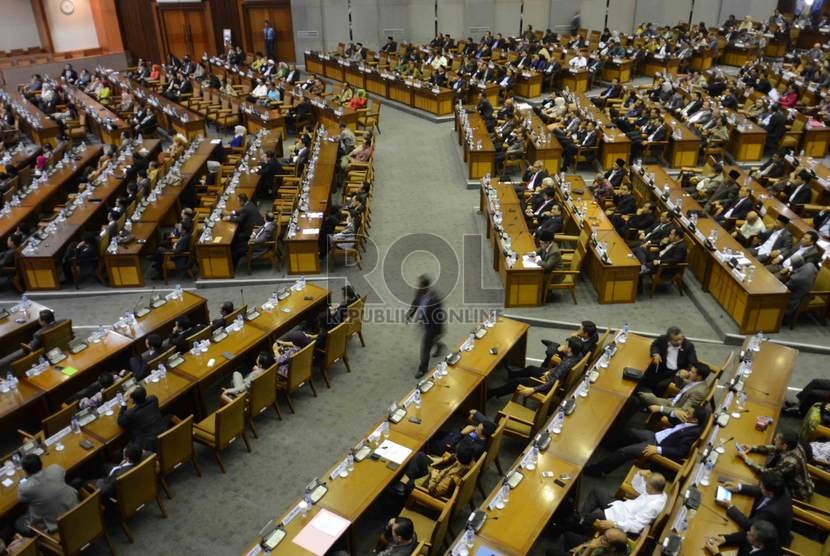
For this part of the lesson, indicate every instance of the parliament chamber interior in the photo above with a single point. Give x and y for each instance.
(220, 216)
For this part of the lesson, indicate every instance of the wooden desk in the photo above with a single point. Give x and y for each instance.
(735, 55)
(303, 248)
(38, 126)
(614, 143)
(100, 120)
(523, 286)
(351, 496)
(701, 60)
(528, 84)
(291, 310)
(515, 528)
(774, 362)
(479, 152)
(160, 319)
(542, 144)
(684, 144)
(576, 81)
(816, 141)
(40, 266)
(46, 195)
(756, 305)
(616, 281)
(619, 69)
(652, 65)
(747, 144)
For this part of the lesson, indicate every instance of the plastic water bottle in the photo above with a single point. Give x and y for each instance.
(350, 463)
(302, 282)
(469, 537)
(505, 492)
(275, 299)
(76, 426)
(757, 341)
(556, 423)
(307, 504)
(179, 293)
(416, 399)
(708, 466)
(162, 371)
(533, 458)
(11, 380)
(625, 330)
(238, 323)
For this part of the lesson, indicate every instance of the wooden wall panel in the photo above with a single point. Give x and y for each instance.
(252, 16)
(137, 23)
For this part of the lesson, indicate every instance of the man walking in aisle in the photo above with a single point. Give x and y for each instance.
(426, 309)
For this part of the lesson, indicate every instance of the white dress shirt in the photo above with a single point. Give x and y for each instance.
(788, 261)
(671, 356)
(660, 436)
(766, 248)
(632, 516)
(578, 63)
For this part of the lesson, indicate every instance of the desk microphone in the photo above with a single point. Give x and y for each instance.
(715, 512)
(723, 443)
(242, 295)
(138, 303)
(757, 390)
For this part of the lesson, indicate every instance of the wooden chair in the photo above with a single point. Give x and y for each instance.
(354, 318)
(492, 454)
(77, 528)
(335, 349)
(57, 336)
(585, 154)
(20, 366)
(174, 447)
(181, 261)
(261, 395)
(522, 421)
(574, 376)
(564, 279)
(161, 358)
(431, 518)
(815, 525)
(299, 372)
(60, 419)
(369, 117)
(219, 429)
(271, 254)
(668, 274)
(28, 547)
(134, 489)
(819, 299)
(345, 249)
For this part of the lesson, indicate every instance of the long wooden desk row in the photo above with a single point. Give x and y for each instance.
(123, 266)
(302, 239)
(514, 528)
(542, 145)
(755, 304)
(479, 151)
(47, 190)
(613, 143)
(462, 388)
(435, 100)
(38, 126)
(190, 377)
(100, 120)
(40, 262)
(325, 109)
(50, 388)
(170, 115)
(213, 248)
(764, 389)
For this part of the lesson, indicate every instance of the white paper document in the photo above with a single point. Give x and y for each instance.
(393, 452)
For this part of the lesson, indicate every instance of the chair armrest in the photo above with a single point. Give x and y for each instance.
(424, 498)
(566, 272)
(665, 462)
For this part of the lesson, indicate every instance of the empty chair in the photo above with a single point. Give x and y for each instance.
(334, 350)
(218, 430)
(134, 489)
(175, 447)
(299, 372)
(262, 394)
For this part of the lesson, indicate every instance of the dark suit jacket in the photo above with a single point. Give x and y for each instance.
(778, 511)
(799, 195)
(776, 128)
(615, 176)
(658, 231)
(676, 445)
(552, 224)
(433, 306)
(685, 358)
(536, 176)
(143, 422)
(783, 243)
(247, 218)
(625, 204)
(37, 337)
(740, 206)
(676, 254)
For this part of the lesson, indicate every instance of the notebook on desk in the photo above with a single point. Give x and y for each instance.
(321, 532)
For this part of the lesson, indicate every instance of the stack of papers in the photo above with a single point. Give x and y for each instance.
(529, 261)
(321, 532)
(392, 451)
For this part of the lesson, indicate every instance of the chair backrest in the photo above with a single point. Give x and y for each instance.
(600, 344)
(335, 344)
(175, 446)
(57, 336)
(575, 374)
(230, 317)
(230, 422)
(202, 334)
(467, 487)
(299, 367)
(494, 446)
(82, 524)
(20, 366)
(263, 391)
(60, 419)
(660, 521)
(442, 524)
(354, 316)
(136, 487)
(161, 357)
(543, 409)
(27, 548)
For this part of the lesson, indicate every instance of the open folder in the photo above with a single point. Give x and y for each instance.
(321, 532)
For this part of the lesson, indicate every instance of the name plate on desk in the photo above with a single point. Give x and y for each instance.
(158, 303)
(175, 360)
(4, 313)
(77, 346)
(270, 541)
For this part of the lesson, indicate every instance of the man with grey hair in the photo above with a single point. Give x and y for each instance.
(800, 283)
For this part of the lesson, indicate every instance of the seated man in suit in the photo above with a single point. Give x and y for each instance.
(132, 455)
(397, 539)
(541, 205)
(45, 493)
(747, 234)
(726, 213)
(521, 383)
(178, 248)
(654, 235)
(774, 241)
(693, 390)
(772, 504)
(672, 251)
(799, 193)
(182, 329)
(670, 352)
(642, 219)
(704, 184)
(673, 443)
(141, 418)
(773, 168)
(760, 540)
(799, 279)
(551, 223)
(806, 249)
(477, 432)
(246, 218)
(616, 174)
(263, 235)
(239, 384)
(724, 193)
(46, 322)
(548, 256)
(224, 310)
(624, 204)
(138, 364)
(614, 90)
(533, 177)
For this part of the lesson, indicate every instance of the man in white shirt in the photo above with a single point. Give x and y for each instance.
(752, 226)
(439, 61)
(673, 443)
(602, 512)
(260, 90)
(578, 62)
